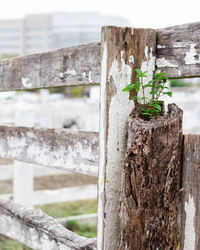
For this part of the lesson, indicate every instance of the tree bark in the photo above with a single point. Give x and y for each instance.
(149, 201)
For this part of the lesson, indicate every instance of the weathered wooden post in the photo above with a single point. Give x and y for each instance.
(123, 50)
(151, 178)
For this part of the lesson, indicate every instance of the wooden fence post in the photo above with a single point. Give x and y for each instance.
(123, 50)
(190, 237)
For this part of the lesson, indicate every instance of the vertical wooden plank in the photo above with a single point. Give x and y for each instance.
(123, 50)
(23, 172)
(191, 193)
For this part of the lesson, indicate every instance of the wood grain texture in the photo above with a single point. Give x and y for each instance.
(178, 50)
(191, 193)
(123, 49)
(149, 202)
(77, 65)
(73, 151)
(37, 230)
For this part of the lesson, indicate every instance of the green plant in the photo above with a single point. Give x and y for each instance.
(156, 87)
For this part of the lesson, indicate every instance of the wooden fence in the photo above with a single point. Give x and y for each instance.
(174, 50)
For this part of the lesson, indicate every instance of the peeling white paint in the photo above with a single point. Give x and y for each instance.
(26, 82)
(90, 76)
(191, 56)
(61, 74)
(74, 157)
(179, 72)
(71, 72)
(131, 59)
(37, 230)
(189, 241)
(162, 62)
(161, 46)
(119, 110)
(84, 74)
(148, 65)
(132, 31)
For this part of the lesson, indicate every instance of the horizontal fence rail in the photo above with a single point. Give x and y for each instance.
(79, 65)
(59, 148)
(77, 193)
(178, 50)
(38, 230)
(178, 55)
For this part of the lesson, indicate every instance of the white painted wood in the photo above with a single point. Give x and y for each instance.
(78, 193)
(23, 172)
(37, 230)
(38, 171)
(75, 151)
(78, 65)
(119, 54)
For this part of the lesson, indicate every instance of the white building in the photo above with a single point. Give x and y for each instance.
(36, 33)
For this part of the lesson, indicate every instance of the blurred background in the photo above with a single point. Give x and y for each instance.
(28, 27)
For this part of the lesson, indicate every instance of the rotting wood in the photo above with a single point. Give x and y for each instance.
(59, 148)
(190, 193)
(123, 49)
(37, 230)
(77, 65)
(178, 50)
(149, 202)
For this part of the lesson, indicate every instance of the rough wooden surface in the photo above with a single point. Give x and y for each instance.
(123, 49)
(59, 148)
(63, 67)
(149, 201)
(37, 230)
(191, 193)
(178, 50)
(178, 54)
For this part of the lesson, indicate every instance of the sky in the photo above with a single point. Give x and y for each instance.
(141, 13)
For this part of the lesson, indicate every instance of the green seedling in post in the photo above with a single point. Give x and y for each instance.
(151, 106)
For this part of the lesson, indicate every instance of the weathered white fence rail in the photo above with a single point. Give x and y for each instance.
(38, 230)
(175, 51)
(62, 67)
(77, 193)
(63, 149)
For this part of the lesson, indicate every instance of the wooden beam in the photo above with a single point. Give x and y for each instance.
(59, 148)
(178, 50)
(123, 49)
(37, 230)
(190, 193)
(79, 65)
(77, 193)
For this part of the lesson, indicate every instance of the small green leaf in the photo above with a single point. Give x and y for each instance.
(169, 94)
(158, 107)
(129, 87)
(153, 92)
(138, 71)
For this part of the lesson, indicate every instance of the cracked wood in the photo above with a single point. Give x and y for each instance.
(79, 65)
(151, 178)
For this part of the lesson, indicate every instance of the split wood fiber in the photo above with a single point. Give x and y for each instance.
(149, 202)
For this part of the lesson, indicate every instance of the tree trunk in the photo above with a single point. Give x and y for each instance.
(149, 202)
